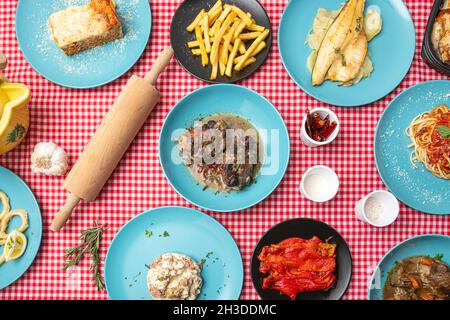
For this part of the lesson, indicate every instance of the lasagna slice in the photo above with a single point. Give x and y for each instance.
(79, 28)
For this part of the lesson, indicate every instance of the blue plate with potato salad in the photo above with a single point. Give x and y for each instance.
(186, 242)
(90, 68)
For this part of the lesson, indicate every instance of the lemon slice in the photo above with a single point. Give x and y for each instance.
(15, 245)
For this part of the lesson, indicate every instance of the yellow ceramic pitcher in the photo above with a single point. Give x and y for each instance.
(14, 114)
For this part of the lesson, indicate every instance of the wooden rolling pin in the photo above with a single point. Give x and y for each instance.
(112, 139)
(3, 61)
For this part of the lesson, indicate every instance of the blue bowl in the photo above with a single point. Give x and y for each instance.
(90, 68)
(390, 66)
(425, 245)
(225, 98)
(417, 188)
(188, 232)
(20, 197)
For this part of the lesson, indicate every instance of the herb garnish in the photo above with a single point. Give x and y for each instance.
(439, 256)
(344, 63)
(90, 243)
(148, 233)
(444, 131)
(165, 234)
(358, 24)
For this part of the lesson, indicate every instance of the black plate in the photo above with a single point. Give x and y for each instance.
(428, 53)
(179, 37)
(306, 229)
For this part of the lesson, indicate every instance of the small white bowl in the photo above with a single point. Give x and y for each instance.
(389, 202)
(310, 142)
(329, 184)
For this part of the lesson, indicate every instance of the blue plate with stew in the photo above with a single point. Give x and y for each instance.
(238, 101)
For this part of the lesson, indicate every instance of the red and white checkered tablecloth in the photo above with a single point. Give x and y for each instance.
(69, 117)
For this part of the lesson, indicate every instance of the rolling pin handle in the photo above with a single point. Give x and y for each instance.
(3, 61)
(159, 65)
(64, 213)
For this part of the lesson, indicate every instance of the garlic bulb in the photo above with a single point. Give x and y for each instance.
(49, 159)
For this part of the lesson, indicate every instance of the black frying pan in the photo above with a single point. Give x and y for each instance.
(306, 229)
(179, 37)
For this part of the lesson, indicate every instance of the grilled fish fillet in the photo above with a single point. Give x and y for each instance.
(333, 41)
(351, 57)
(346, 67)
(357, 24)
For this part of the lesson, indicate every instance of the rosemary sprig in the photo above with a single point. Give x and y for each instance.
(90, 243)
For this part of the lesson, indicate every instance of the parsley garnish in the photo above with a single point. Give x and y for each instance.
(165, 234)
(439, 256)
(148, 233)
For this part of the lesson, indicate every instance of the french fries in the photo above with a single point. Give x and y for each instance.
(227, 38)
(250, 49)
(198, 34)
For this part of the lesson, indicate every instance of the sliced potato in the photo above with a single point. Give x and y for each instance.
(372, 23)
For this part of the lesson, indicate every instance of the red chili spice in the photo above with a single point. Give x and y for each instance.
(318, 128)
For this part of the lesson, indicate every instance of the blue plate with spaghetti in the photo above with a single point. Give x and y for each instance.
(91, 68)
(173, 230)
(20, 197)
(390, 66)
(431, 245)
(416, 186)
(235, 100)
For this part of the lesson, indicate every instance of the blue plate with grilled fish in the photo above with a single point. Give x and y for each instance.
(389, 64)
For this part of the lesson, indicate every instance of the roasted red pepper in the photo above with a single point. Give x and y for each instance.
(297, 265)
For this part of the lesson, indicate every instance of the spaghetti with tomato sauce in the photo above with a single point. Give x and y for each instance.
(430, 144)
(297, 265)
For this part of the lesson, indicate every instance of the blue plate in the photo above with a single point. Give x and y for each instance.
(90, 68)
(20, 197)
(243, 102)
(188, 232)
(390, 66)
(427, 245)
(417, 188)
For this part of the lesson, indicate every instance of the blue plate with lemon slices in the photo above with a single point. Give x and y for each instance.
(20, 197)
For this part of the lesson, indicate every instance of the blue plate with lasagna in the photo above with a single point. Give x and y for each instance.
(168, 230)
(19, 196)
(215, 184)
(90, 68)
(408, 166)
(434, 246)
(389, 66)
